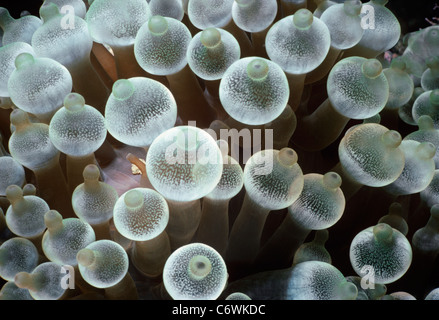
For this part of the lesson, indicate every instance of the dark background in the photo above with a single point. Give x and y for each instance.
(411, 14)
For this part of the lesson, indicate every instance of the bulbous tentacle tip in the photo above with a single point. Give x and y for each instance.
(398, 63)
(352, 7)
(434, 97)
(199, 267)
(24, 59)
(372, 68)
(303, 18)
(74, 101)
(86, 257)
(434, 211)
(23, 280)
(288, 157)
(91, 172)
(48, 10)
(425, 122)
(348, 291)
(5, 17)
(395, 208)
(332, 180)
(392, 139)
(19, 117)
(426, 150)
(122, 89)
(382, 232)
(210, 37)
(14, 193)
(158, 25)
(53, 220)
(433, 62)
(133, 199)
(29, 190)
(257, 69)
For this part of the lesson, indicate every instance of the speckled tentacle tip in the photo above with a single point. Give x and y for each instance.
(16, 255)
(160, 48)
(401, 85)
(425, 252)
(218, 14)
(344, 23)
(427, 103)
(213, 229)
(314, 250)
(43, 282)
(430, 77)
(11, 172)
(184, 164)
(141, 215)
(421, 46)
(116, 24)
(40, 156)
(25, 215)
(238, 296)
(357, 89)
(254, 91)
(273, 180)
(167, 8)
(17, 30)
(319, 206)
(77, 130)
(425, 239)
(426, 133)
(432, 295)
(93, 202)
(195, 272)
(210, 53)
(8, 54)
(62, 241)
(383, 165)
(405, 112)
(10, 291)
(284, 44)
(402, 295)
(382, 250)
(309, 280)
(65, 237)
(255, 17)
(138, 110)
(70, 44)
(418, 169)
(104, 264)
(380, 33)
(39, 85)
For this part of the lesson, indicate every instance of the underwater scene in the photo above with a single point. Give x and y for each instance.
(219, 150)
